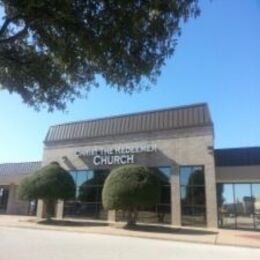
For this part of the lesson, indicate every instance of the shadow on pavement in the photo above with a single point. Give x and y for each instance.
(138, 227)
(70, 223)
(168, 230)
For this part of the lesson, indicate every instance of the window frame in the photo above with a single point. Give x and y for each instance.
(193, 207)
(236, 224)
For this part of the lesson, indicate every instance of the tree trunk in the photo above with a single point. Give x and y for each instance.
(131, 217)
(49, 209)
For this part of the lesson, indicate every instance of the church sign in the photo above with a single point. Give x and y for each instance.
(116, 155)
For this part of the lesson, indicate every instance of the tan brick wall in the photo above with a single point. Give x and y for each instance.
(238, 174)
(182, 147)
(15, 205)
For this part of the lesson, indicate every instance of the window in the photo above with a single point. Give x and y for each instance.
(226, 206)
(193, 199)
(256, 201)
(239, 205)
(88, 197)
(87, 201)
(161, 213)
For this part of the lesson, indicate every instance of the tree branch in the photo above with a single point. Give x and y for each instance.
(4, 26)
(15, 36)
(6, 23)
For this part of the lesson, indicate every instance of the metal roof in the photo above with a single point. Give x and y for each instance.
(245, 156)
(15, 172)
(165, 119)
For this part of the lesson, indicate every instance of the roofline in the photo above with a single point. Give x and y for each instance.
(20, 162)
(237, 148)
(137, 113)
(65, 142)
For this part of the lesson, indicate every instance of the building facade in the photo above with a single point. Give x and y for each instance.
(201, 186)
(11, 175)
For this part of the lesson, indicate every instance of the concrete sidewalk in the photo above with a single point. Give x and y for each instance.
(195, 235)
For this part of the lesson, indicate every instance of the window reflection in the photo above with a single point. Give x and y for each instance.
(88, 201)
(161, 213)
(90, 175)
(192, 176)
(256, 196)
(226, 206)
(239, 205)
(166, 174)
(244, 206)
(193, 198)
(88, 197)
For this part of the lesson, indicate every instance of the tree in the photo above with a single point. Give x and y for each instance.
(88, 189)
(52, 51)
(130, 188)
(195, 190)
(50, 183)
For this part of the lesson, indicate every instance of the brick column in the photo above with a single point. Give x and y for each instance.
(211, 196)
(175, 197)
(59, 209)
(11, 199)
(111, 216)
(41, 209)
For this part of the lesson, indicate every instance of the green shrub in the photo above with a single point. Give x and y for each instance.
(50, 183)
(130, 188)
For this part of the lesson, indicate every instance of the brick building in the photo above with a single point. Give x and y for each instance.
(201, 186)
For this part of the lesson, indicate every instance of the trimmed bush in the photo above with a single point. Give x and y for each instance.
(130, 188)
(50, 183)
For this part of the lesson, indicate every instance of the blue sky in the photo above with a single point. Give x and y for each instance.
(217, 61)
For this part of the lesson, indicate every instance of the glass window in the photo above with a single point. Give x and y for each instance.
(87, 193)
(193, 199)
(244, 206)
(199, 216)
(166, 174)
(226, 206)
(166, 195)
(192, 176)
(185, 175)
(90, 176)
(238, 205)
(88, 201)
(100, 177)
(256, 200)
(74, 176)
(161, 213)
(81, 177)
(193, 196)
(186, 216)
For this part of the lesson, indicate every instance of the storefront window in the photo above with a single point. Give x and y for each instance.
(161, 213)
(88, 201)
(239, 205)
(193, 201)
(88, 197)
(256, 199)
(244, 206)
(226, 205)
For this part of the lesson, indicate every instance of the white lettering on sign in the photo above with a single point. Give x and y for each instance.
(116, 154)
(117, 150)
(113, 159)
